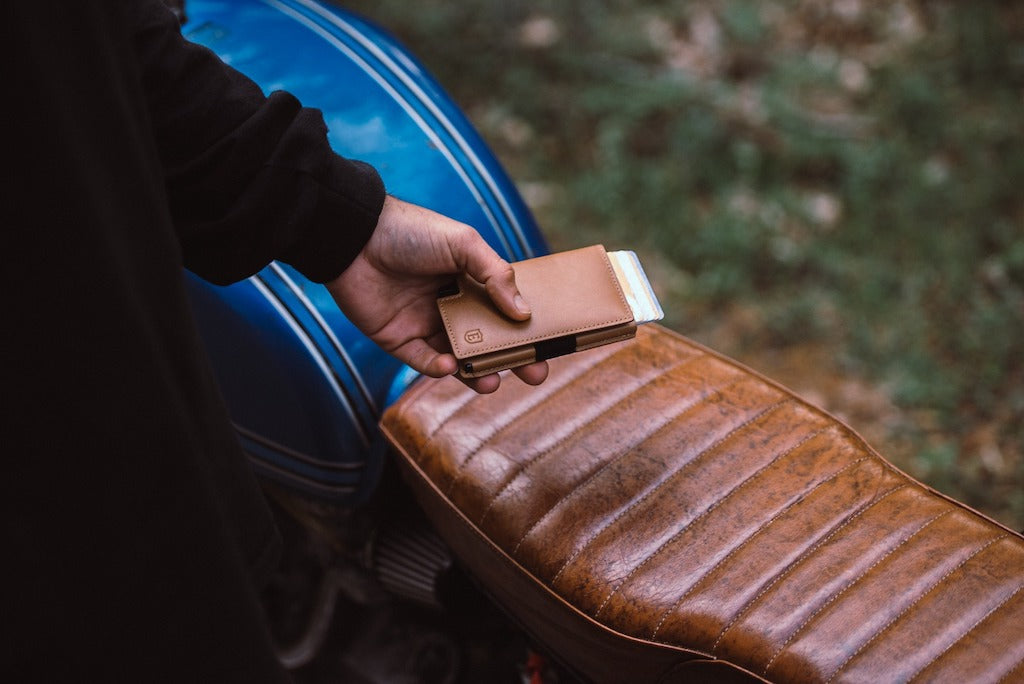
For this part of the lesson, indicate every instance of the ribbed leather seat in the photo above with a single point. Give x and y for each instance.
(655, 512)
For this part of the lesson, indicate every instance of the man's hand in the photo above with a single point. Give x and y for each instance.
(390, 290)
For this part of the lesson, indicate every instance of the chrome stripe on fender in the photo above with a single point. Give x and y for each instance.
(288, 452)
(314, 354)
(338, 347)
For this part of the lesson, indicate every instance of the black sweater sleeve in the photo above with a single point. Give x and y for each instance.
(249, 178)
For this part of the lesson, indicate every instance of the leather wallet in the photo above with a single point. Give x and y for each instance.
(577, 304)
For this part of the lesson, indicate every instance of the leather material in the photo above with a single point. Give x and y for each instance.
(656, 512)
(575, 298)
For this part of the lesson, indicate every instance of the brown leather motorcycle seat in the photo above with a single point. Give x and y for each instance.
(656, 512)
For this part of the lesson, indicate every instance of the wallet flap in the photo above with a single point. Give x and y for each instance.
(568, 292)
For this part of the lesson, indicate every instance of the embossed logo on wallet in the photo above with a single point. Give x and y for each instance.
(474, 336)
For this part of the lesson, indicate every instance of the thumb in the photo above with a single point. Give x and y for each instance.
(497, 275)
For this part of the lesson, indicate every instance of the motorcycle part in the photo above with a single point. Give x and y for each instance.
(410, 560)
(656, 512)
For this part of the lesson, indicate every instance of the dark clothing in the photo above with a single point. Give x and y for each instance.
(133, 533)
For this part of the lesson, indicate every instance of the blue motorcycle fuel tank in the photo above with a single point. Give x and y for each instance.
(304, 387)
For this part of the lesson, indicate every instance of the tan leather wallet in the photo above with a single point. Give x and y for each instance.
(576, 301)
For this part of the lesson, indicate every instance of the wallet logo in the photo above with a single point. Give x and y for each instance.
(474, 336)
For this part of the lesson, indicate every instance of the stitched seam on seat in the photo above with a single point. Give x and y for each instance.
(541, 454)
(806, 555)
(556, 387)
(970, 629)
(1015, 668)
(679, 470)
(756, 532)
(527, 407)
(470, 394)
(467, 397)
(402, 409)
(615, 459)
(903, 612)
(832, 599)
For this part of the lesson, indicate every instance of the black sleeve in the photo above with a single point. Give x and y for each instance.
(249, 178)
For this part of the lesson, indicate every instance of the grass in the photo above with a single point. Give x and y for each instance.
(829, 191)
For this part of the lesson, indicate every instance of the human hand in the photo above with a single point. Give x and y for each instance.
(390, 290)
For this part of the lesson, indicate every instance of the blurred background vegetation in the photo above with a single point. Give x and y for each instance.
(829, 191)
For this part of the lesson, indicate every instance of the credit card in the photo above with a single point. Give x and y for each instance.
(635, 286)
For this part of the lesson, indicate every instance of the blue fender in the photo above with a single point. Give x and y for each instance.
(304, 387)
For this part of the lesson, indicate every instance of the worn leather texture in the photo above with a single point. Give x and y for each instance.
(569, 293)
(656, 512)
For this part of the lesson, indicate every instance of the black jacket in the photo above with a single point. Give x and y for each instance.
(133, 534)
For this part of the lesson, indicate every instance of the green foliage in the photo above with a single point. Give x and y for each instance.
(851, 170)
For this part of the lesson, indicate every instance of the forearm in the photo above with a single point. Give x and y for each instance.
(249, 178)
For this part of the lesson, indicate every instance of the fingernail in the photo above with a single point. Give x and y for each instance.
(521, 305)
